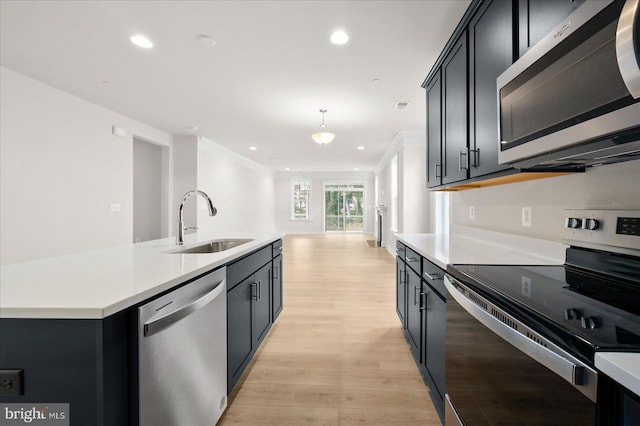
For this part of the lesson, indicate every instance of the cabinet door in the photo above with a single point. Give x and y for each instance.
(261, 304)
(276, 288)
(239, 337)
(413, 316)
(454, 106)
(538, 17)
(491, 53)
(401, 290)
(435, 309)
(434, 132)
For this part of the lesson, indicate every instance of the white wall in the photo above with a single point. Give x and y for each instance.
(147, 191)
(413, 212)
(498, 208)
(314, 225)
(242, 191)
(61, 170)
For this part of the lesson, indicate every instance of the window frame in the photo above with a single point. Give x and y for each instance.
(293, 199)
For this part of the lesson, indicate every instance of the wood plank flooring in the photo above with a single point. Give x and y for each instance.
(336, 355)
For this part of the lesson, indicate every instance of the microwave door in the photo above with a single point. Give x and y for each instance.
(628, 52)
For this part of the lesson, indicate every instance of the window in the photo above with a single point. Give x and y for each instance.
(300, 195)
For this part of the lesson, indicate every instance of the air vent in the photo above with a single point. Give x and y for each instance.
(475, 299)
(535, 339)
(401, 105)
(503, 318)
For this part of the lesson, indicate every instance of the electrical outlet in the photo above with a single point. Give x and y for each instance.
(115, 207)
(527, 217)
(472, 212)
(11, 382)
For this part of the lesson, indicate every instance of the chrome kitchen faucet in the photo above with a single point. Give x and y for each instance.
(181, 228)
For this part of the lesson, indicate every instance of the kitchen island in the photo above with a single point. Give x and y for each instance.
(69, 325)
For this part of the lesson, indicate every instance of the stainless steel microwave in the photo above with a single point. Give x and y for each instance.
(573, 100)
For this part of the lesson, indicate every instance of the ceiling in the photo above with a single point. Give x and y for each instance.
(263, 82)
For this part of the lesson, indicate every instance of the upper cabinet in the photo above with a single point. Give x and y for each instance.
(536, 19)
(461, 92)
(490, 54)
(454, 113)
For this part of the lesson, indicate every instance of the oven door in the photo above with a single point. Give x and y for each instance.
(495, 375)
(580, 83)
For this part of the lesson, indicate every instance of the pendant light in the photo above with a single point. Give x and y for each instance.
(323, 137)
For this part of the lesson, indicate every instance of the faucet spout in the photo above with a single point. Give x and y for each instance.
(181, 228)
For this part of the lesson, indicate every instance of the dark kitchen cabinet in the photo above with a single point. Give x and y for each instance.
(401, 290)
(538, 17)
(490, 54)
(434, 131)
(434, 337)
(276, 288)
(455, 153)
(250, 309)
(414, 312)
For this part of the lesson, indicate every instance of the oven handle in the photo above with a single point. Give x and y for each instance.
(625, 48)
(579, 375)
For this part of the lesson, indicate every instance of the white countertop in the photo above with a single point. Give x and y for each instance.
(622, 367)
(466, 245)
(99, 283)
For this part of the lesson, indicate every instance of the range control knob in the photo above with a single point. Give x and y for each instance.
(572, 314)
(573, 222)
(591, 224)
(590, 323)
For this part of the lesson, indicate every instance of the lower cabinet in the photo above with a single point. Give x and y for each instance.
(276, 287)
(421, 308)
(253, 304)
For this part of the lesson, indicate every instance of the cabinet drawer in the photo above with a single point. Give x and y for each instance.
(241, 269)
(277, 248)
(433, 275)
(413, 259)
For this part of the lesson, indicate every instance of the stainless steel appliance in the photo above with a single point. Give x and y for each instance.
(182, 340)
(521, 340)
(573, 100)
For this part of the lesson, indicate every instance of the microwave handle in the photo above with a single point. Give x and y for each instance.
(625, 48)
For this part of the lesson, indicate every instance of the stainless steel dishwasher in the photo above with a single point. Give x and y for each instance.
(182, 339)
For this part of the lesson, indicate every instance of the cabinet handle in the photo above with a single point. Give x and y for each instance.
(411, 259)
(431, 277)
(476, 157)
(275, 272)
(254, 291)
(401, 278)
(259, 289)
(464, 154)
(415, 295)
(440, 167)
(423, 307)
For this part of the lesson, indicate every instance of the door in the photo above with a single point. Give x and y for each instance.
(454, 107)
(436, 311)
(261, 304)
(413, 315)
(148, 187)
(239, 338)
(491, 53)
(434, 132)
(276, 289)
(344, 208)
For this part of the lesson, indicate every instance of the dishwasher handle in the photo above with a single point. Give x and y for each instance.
(156, 325)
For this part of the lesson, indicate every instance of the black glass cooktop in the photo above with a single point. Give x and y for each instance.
(579, 308)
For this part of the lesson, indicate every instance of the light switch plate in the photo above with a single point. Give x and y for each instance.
(472, 212)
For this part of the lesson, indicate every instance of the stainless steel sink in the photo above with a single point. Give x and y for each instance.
(214, 246)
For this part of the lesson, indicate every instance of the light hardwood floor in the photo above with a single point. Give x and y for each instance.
(336, 355)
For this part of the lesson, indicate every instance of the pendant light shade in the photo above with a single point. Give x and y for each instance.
(323, 137)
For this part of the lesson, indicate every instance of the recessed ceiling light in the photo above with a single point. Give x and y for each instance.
(141, 41)
(253, 148)
(206, 40)
(376, 81)
(360, 148)
(192, 128)
(356, 169)
(339, 38)
(287, 168)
